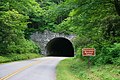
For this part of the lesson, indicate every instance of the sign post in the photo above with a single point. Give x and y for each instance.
(88, 52)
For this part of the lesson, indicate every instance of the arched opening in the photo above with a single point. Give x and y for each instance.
(60, 47)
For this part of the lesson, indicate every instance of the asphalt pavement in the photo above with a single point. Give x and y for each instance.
(35, 69)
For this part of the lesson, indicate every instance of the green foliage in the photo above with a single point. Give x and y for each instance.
(27, 8)
(4, 59)
(76, 69)
(16, 57)
(12, 28)
(55, 14)
(96, 25)
(111, 29)
(23, 46)
(105, 53)
(114, 52)
(13, 23)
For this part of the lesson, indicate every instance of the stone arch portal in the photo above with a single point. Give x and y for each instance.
(59, 46)
(47, 38)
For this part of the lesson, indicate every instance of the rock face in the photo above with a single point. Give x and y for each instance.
(43, 38)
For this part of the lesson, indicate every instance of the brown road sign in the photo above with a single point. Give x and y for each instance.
(88, 52)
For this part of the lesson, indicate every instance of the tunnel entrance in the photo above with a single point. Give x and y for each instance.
(60, 47)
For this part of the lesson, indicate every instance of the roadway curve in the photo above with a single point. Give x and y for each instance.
(35, 69)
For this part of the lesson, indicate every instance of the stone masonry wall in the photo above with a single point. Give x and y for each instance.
(43, 38)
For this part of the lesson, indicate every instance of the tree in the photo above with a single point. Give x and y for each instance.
(12, 29)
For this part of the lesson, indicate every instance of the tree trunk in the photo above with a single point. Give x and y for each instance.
(117, 6)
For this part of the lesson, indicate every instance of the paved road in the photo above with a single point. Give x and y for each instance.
(35, 69)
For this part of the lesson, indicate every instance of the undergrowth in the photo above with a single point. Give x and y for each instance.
(16, 57)
(76, 69)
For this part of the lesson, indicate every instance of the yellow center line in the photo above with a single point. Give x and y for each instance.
(18, 71)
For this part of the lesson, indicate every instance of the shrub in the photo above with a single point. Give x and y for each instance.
(109, 54)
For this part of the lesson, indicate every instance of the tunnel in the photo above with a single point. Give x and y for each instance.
(61, 47)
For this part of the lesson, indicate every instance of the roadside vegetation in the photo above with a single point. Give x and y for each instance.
(76, 69)
(16, 57)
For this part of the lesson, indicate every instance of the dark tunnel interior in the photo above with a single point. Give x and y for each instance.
(60, 47)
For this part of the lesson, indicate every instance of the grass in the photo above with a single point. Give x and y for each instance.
(76, 69)
(63, 72)
(16, 57)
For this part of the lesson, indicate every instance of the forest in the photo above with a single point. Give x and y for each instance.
(96, 24)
